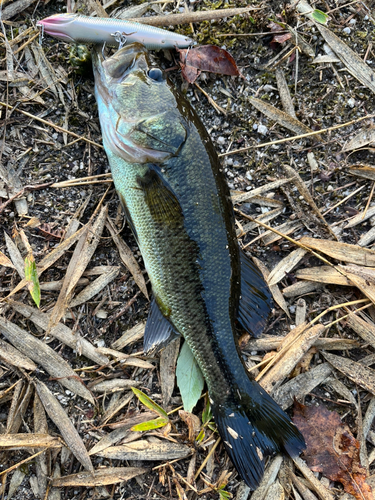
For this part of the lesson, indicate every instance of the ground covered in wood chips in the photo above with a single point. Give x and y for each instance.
(305, 211)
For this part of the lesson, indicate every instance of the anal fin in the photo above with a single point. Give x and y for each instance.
(256, 300)
(159, 331)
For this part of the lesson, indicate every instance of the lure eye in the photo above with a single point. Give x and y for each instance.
(156, 74)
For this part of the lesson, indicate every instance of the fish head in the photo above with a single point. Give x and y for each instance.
(138, 108)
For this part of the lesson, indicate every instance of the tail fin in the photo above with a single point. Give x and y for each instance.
(252, 427)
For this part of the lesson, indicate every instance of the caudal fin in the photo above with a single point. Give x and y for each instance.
(252, 427)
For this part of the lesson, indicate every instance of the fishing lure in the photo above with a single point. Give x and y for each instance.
(76, 28)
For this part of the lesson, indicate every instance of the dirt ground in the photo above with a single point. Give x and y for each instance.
(317, 188)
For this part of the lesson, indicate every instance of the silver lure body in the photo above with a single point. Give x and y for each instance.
(76, 28)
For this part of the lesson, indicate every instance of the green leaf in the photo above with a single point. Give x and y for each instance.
(224, 495)
(150, 424)
(31, 276)
(200, 436)
(189, 378)
(319, 16)
(143, 398)
(207, 413)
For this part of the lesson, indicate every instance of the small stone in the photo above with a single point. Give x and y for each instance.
(262, 129)
(221, 140)
(347, 30)
(330, 188)
(351, 102)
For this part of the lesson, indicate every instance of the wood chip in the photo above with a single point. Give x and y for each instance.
(367, 238)
(127, 257)
(365, 329)
(361, 217)
(61, 332)
(361, 375)
(99, 477)
(301, 288)
(168, 359)
(271, 343)
(293, 354)
(301, 385)
(146, 450)
(114, 385)
(59, 417)
(17, 441)
(341, 251)
(316, 485)
(130, 336)
(42, 354)
(269, 478)
(285, 266)
(323, 274)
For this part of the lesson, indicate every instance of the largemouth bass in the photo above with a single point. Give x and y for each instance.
(171, 186)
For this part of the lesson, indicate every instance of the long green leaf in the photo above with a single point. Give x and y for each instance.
(143, 398)
(189, 378)
(150, 424)
(31, 276)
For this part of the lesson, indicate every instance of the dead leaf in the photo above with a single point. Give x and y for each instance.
(193, 423)
(332, 449)
(363, 138)
(285, 266)
(59, 417)
(4, 261)
(206, 58)
(61, 332)
(353, 63)
(168, 359)
(42, 354)
(12, 356)
(127, 257)
(341, 251)
(99, 477)
(130, 336)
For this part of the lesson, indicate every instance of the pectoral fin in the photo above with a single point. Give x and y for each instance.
(256, 302)
(159, 331)
(160, 199)
(166, 132)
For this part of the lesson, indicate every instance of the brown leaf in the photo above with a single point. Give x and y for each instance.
(206, 58)
(193, 423)
(59, 417)
(11, 441)
(332, 449)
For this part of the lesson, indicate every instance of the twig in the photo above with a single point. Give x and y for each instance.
(120, 312)
(192, 17)
(301, 136)
(369, 200)
(206, 459)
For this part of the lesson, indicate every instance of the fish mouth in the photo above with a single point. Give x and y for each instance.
(130, 58)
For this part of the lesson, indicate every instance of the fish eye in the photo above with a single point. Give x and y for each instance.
(156, 74)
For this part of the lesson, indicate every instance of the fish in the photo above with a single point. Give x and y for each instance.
(76, 28)
(173, 190)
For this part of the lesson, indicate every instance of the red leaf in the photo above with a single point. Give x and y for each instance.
(206, 58)
(332, 449)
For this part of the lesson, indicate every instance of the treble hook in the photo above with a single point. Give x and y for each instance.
(103, 55)
(120, 38)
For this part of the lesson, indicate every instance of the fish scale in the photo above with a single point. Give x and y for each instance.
(177, 202)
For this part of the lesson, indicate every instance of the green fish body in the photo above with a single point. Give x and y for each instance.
(171, 186)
